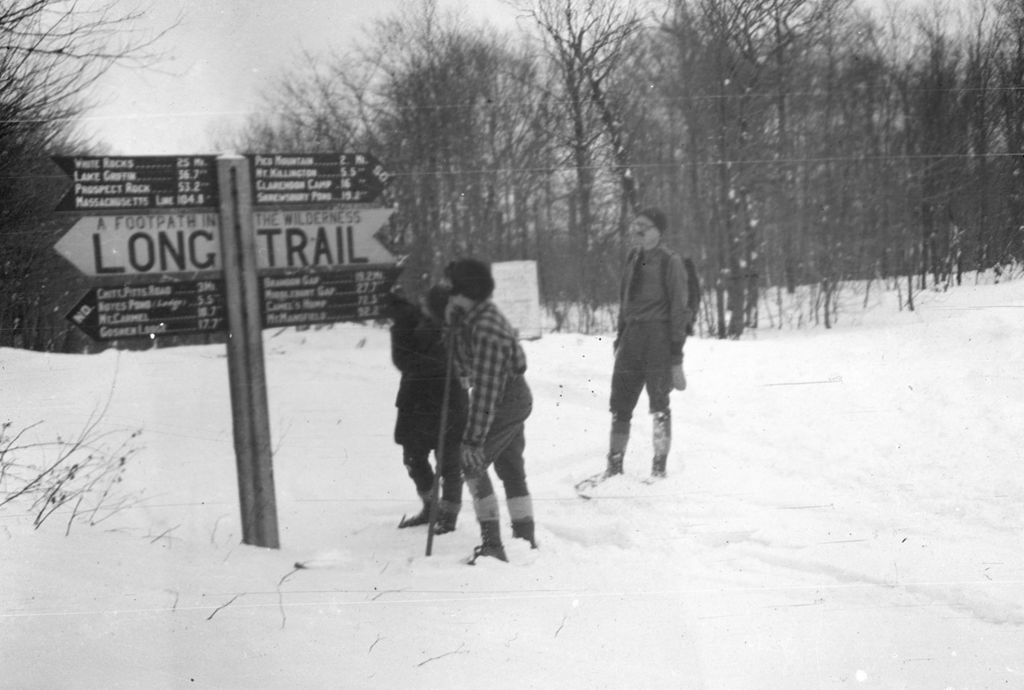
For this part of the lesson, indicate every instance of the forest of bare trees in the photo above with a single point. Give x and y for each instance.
(50, 54)
(794, 144)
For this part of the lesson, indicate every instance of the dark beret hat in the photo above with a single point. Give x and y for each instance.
(471, 278)
(657, 217)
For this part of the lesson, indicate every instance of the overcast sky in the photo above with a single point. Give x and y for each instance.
(222, 53)
(219, 57)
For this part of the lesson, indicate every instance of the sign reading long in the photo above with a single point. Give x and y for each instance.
(130, 244)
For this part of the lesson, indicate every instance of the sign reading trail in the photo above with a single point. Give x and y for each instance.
(321, 237)
(339, 294)
(309, 178)
(107, 183)
(146, 309)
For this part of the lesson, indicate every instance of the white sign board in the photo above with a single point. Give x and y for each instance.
(517, 295)
(321, 237)
(128, 243)
(187, 242)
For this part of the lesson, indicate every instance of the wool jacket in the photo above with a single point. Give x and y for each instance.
(488, 354)
(654, 288)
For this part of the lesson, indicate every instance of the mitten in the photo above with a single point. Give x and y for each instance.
(453, 313)
(678, 377)
(473, 461)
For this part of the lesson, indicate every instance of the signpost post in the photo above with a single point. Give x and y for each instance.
(203, 244)
(246, 372)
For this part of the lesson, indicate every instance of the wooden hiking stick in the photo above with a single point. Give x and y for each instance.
(441, 437)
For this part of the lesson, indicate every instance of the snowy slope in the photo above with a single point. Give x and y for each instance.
(843, 509)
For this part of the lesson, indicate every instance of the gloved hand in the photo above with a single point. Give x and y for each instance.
(453, 313)
(473, 460)
(678, 377)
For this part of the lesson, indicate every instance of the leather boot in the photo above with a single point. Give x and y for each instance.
(662, 441)
(617, 443)
(524, 529)
(490, 535)
(421, 518)
(447, 516)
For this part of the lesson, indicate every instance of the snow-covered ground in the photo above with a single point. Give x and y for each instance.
(843, 510)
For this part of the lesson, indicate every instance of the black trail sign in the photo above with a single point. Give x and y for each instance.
(150, 309)
(107, 183)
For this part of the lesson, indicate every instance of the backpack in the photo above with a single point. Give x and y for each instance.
(693, 295)
(692, 292)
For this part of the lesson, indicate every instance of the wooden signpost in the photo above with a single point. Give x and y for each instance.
(231, 243)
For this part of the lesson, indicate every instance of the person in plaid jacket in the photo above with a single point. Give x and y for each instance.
(489, 358)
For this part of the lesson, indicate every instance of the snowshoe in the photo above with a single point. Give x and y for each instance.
(584, 486)
(421, 518)
(492, 550)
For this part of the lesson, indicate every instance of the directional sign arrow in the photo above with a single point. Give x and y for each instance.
(148, 309)
(306, 178)
(370, 169)
(108, 183)
(134, 244)
(321, 238)
(311, 296)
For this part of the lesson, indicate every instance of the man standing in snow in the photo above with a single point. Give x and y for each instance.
(652, 326)
(489, 356)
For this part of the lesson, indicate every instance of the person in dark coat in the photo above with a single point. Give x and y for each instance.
(654, 318)
(418, 351)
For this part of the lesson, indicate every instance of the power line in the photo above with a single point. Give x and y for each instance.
(800, 160)
(501, 103)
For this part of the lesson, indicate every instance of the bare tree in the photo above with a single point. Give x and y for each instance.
(51, 53)
(587, 42)
(1010, 60)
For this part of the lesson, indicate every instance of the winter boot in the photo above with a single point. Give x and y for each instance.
(446, 517)
(617, 446)
(662, 442)
(490, 534)
(524, 529)
(421, 518)
(614, 464)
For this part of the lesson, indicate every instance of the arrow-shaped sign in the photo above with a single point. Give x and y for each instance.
(148, 309)
(352, 293)
(189, 242)
(108, 183)
(321, 238)
(143, 244)
(308, 178)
